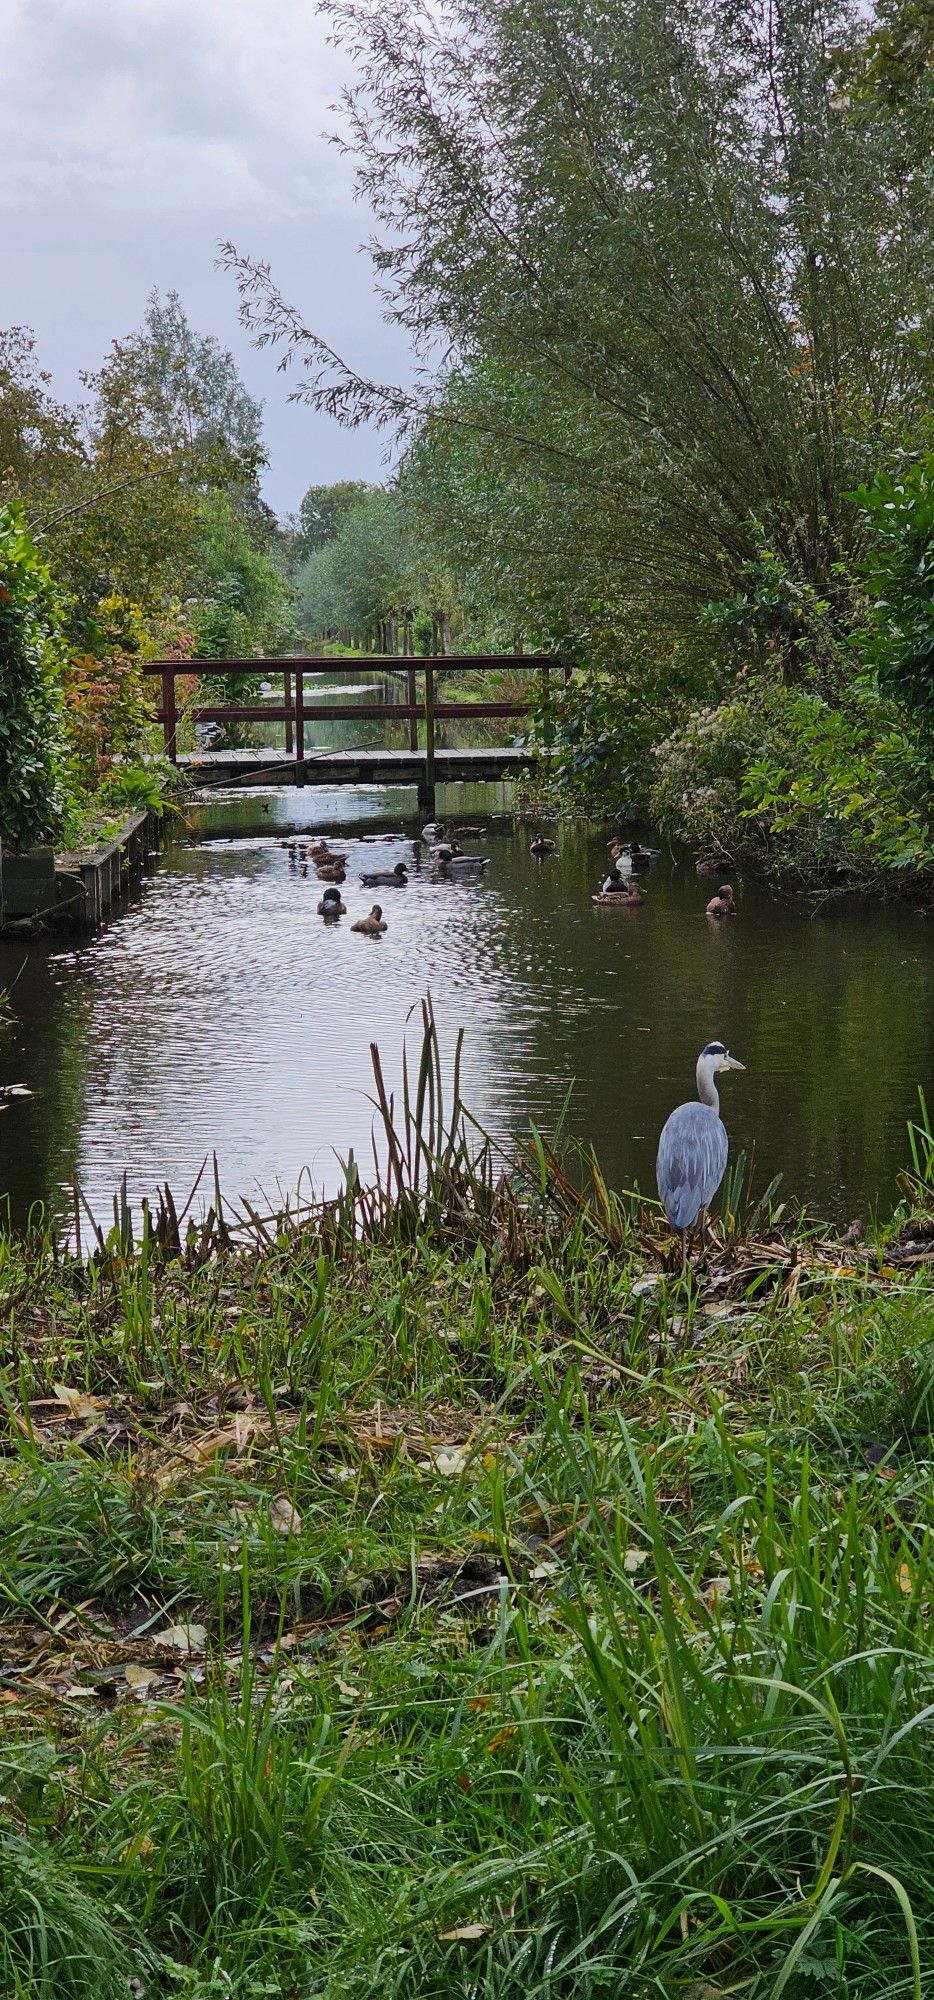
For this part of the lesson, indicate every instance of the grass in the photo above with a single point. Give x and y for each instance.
(426, 1596)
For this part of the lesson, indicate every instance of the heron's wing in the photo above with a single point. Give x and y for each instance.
(692, 1156)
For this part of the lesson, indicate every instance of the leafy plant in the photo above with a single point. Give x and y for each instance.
(32, 662)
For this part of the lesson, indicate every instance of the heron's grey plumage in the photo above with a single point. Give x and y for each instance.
(692, 1157)
(693, 1148)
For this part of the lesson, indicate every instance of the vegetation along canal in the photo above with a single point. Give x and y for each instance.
(221, 1013)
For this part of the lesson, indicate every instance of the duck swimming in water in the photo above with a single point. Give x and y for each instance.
(330, 871)
(541, 846)
(433, 831)
(391, 878)
(331, 905)
(713, 864)
(722, 904)
(372, 925)
(617, 891)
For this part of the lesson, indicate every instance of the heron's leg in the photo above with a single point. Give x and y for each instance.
(684, 1252)
(704, 1235)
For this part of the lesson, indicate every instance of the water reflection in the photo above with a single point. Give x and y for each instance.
(220, 1012)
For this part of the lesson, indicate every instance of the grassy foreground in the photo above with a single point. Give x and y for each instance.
(430, 1598)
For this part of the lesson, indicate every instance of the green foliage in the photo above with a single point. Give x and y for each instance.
(323, 509)
(530, 1656)
(243, 603)
(898, 512)
(362, 575)
(812, 789)
(32, 658)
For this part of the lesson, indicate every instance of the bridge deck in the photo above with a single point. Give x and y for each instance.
(362, 767)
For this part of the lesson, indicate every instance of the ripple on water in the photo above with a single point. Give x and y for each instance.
(220, 1013)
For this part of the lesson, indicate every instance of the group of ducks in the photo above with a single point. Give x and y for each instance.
(448, 862)
(618, 891)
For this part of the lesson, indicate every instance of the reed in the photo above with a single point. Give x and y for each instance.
(422, 1592)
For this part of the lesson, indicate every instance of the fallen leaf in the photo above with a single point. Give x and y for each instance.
(76, 1402)
(718, 1588)
(452, 1459)
(139, 1678)
(285, 1518)
(634, 1559)
(350, 1693)
(464, 1934)
(905, 1580)
(501, 1738)
(183, 1638)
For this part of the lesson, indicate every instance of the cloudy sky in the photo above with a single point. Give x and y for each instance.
(139, 133)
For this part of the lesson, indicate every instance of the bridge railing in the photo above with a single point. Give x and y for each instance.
(424, 701)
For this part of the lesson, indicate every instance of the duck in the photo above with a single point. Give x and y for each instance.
(322, 852)
(463, 864)
(434, 831)
(616, 890)
(331, 871)
(541, 846)
(713, 864)
(722, 904)
(391, 878)
(372, 925)
(469, 832)
(331, 904)
(633, 852)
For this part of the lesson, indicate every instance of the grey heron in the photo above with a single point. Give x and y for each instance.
(693, 1149)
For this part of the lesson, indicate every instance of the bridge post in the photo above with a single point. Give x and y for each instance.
(411, 697)
(169, 713)
(299, 726)
(287, 703)
(426, 795)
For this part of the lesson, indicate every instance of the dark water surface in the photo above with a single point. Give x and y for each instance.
(220, 1012)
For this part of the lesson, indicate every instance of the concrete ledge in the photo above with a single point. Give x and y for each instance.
(42, 891)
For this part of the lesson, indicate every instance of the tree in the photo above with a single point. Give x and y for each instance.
(192, 401)
(678, 263)
(32, 657)
(322, 510)
(361, 581)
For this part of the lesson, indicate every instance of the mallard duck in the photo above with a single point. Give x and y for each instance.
(392, 878)
(713, 864)
(468, 832)
(541, 846)
(722, 904)
(631, 899)
(433, 831)
(372, 925)
(446, 850)
(331, 905)
(322, 852)
(331, 871)
(615, 890)
(465, 864)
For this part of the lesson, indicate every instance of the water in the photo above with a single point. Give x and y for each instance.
(220, 1013)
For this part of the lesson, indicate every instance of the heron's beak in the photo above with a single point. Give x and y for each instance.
(733, 1063)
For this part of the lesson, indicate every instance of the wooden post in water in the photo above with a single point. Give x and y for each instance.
(287, 703)
(427, 799)
(299, 726)
(169, 713)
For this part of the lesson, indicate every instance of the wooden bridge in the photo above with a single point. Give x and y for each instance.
(424, 763)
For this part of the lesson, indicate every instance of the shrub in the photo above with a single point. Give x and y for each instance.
(32, 658)
(810, 788)
(107, 710)
(898, 514)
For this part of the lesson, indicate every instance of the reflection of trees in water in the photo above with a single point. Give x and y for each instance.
(40, 1136)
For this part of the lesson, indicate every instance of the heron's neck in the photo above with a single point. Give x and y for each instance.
(706, 1087)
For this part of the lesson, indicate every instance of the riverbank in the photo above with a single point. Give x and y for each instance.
(429, 1595)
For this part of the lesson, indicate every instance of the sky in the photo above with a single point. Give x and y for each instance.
(138, 134)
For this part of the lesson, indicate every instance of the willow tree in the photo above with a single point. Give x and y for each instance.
(667, 265)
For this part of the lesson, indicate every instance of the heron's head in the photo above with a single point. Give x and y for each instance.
(719, 1058)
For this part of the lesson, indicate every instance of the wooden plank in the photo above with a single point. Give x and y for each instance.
(317, 664)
